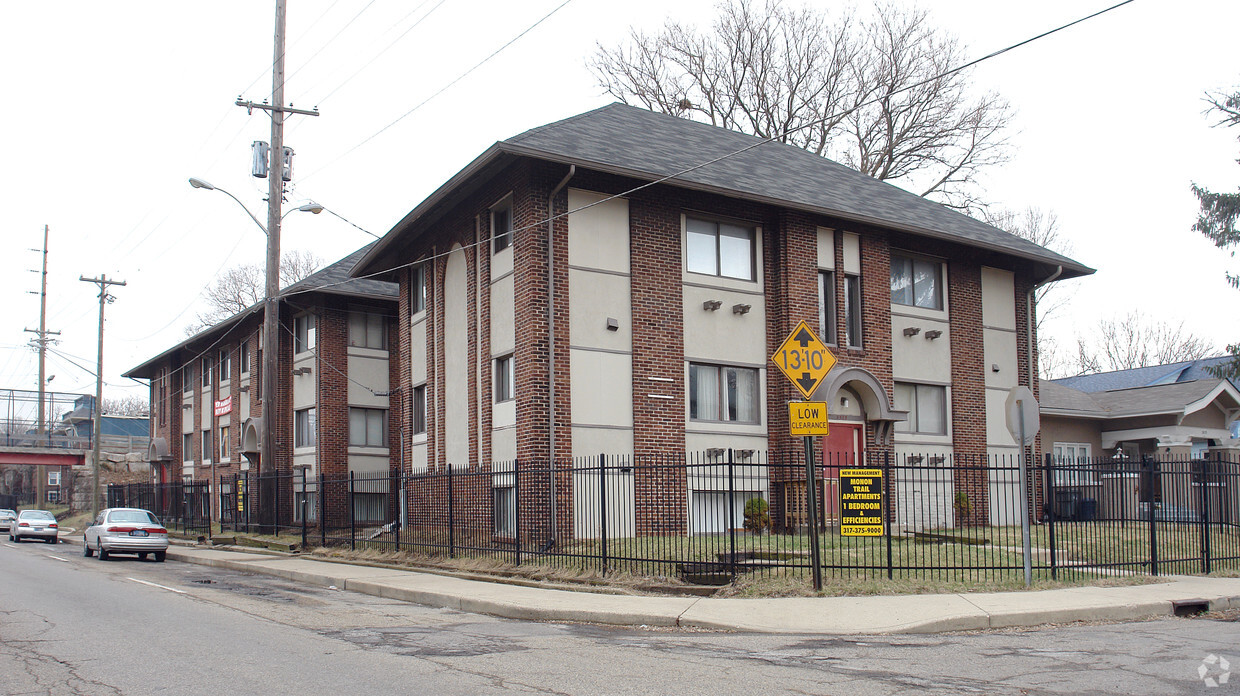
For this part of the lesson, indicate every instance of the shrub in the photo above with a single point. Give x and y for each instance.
(757, 515)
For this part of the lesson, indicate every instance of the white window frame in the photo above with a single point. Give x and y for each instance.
(913, 425)
(723, 404)
(206, 446)
(225, 365)
(367, 417)
(305, 425)
(1069, 454)
(908, 294)
(419, 410)
(361, 324)
(305, 330)
(417, 289)
(854, 316)
(505, 517)
(505, 378)
(718, 271)
(224, 444)
(206, 372)
(501, 239)
(187, 448)
(243, 354)
(53, 478)
(827, 317)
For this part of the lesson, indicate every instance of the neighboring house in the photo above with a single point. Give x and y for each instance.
(334, 373)
(1177, 410)
(641, 320)
(118, 434)
(1107, 433)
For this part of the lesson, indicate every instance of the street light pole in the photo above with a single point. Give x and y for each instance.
(271, 319)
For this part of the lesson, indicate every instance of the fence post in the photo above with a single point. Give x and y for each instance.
(304, 496)
(451, 516)
(352, 525)
(516, 504)
(1049, 473)
(1152, 478)
(322, 498)
(1206, 475)
(888, 519)
(732, 512)
(602, 511)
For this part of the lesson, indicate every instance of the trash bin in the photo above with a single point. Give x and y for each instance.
(1086, 510)
(1066, 504)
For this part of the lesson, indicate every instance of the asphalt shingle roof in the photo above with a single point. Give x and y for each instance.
(1188, 371)
(643, 144)
(1162, 398)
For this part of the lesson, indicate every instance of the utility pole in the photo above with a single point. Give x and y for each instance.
(271, 319)
(104, 299)
(42, 341)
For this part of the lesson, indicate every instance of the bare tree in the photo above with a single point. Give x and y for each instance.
(126, 406)
(1135, 341)
(873, 94)
(241, 287)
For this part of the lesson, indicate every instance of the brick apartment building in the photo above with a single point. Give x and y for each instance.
(640, 320)
(335, 372)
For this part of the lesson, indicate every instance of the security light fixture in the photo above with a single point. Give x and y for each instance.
(931, 335)
(712, 305)
(912, 331)
(741, 308)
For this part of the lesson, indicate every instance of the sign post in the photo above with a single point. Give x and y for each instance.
(1023, 422)
(805, 360)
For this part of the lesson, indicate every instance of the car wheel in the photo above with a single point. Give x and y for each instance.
(53, 540)
(142, 556)
(17, 539)
(160, 556)
(87, 551)
(103, 553)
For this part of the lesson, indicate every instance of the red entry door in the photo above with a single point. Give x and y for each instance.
(841, 449)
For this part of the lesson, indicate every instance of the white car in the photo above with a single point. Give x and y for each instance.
(34, 524)
(7, 517)
(126, 530)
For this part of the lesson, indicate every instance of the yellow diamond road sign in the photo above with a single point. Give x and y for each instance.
(804, 359)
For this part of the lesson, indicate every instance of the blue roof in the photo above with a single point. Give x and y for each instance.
(125, 426)
(1189, 371)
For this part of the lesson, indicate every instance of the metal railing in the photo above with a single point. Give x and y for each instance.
(717, 516)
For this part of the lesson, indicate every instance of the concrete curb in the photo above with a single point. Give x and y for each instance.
(804, 615)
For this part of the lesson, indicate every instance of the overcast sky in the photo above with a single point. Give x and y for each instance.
(110, 107)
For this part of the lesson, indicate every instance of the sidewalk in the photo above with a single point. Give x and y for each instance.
(821, 615)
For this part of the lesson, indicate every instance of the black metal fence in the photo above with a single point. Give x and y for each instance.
(724, 514)
(184, 507)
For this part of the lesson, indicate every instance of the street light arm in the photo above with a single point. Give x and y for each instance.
(198, 183)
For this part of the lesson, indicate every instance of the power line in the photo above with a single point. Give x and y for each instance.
(441, 90)
(760, 142)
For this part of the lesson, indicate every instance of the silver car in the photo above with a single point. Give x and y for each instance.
(34, 524)
(7, 517)
(126, 530)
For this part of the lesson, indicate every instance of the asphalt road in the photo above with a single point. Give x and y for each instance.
(71, 625)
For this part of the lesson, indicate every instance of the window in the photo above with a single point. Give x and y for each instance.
(504, 500)
(501, 227)
(852, 310)
(505, 379)
(53, 496)
(206, 445)
(1072, 464)
(303, 333)
(927, 408)
(187, 378)
(826, 305)
(53, 478)
(303, 428)
(225, 445)
(367, 427)
(417, 289)
(243, 356)
(187, 448)
(720, 249)
(916, 282)
(225, 365)
(206, 372)
(419, 410)
(367, 330)
(162, 404)
(719, 393)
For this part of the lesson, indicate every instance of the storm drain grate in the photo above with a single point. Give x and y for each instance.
(1190, 607)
